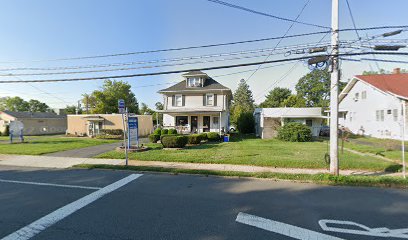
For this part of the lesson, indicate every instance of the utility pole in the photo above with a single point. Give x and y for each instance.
(334, 91)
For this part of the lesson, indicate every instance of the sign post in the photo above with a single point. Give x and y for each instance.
(123, 111)
(133, 134)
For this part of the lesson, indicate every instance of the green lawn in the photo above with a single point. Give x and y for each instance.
(37, 145)
(258, 152)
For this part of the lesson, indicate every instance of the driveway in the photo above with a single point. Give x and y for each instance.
(101, 204)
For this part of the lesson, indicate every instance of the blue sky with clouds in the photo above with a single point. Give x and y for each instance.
(46, 29)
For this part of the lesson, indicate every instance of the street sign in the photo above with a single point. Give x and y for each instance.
(133, 135)
(121, 106)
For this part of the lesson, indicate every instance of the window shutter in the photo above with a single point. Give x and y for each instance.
(183, 99)
(204, 100)
(215, 99)
(173, 101)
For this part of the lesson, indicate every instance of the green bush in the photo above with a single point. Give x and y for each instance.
(162, 136)
(213, 136)
(204, 136)
(171, 141)
(295, 132)
(164, 131)
(154, 138)
(172, 131)
(246, 123)
(157, 131)
(103, 136)
(194, 139)
(6, 131)
(111, 132)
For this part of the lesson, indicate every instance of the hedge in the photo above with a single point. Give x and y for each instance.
(213, 136)
(111, 132)
(154, 138)
(164, 131)
(194, 139)
(162, 136)
(295, 132)
(204, 136)
(246, 123)
(157, 131)
(102, 136)
(174, 141)
(172, 131)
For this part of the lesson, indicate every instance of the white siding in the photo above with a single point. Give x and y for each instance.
(361, 113)
(193, 101)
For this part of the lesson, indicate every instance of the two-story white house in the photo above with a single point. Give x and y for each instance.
(197, 104)
(375, 105)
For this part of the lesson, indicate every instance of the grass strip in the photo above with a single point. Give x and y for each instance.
(366, 181)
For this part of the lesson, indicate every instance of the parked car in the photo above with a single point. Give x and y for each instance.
(324, 131)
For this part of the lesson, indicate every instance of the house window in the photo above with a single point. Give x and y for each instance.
(377, 115)
(210, 99)
(382, 115)
(395, 114)
(363, 95)
(179, 100)
(194, 82)
(181, 120)
(389, 111)
(356, 97)
(309, 122)
(216, 122)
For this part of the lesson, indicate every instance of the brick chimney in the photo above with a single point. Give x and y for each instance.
(396, 71)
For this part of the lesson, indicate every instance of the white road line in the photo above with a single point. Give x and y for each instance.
(49, 184)
(43, 223)
(282, 228)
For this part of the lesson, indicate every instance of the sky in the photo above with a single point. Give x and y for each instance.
(33, 34)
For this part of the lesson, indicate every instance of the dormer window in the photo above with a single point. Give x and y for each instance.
(194, 82)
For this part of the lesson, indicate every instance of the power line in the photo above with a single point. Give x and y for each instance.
(352, 19)
(280, 40)
(205, 46)
(265, 14)
(197, 69)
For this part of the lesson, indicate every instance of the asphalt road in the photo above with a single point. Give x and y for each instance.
(162, 206)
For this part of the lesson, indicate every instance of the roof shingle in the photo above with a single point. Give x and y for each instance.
(396, 84)
(33, 114)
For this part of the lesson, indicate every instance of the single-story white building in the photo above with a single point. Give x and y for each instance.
(268, 120)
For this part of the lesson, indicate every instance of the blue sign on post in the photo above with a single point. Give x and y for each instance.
(133, 134)
(121, 106)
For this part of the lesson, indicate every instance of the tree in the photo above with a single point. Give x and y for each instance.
(242, 102)
(106, 99)
(294, 101)
(37, 106)
(314, 87)
(276, 97)
(159, 106)
(146, 110)
(72, 109)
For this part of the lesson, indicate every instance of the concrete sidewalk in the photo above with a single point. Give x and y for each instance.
(67, 162)
(52, 162)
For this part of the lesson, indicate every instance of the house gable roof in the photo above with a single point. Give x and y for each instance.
(210, 85)
(395, 84)
(37, 115)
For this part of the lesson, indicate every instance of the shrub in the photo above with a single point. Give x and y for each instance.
(213, 136)
(172, 131)
(204, 136)
(162, 136)
(111, 132)
(154, 138)
(194, 139)
(164, 131)
(295, 132)
(174, 141)
(6, 131)
(157, 131)
(103, 136)
(246, 123)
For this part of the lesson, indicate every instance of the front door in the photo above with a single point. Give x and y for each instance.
(206, 123)
(194, 124)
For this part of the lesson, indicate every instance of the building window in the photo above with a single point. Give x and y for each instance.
(179, 100)
(382, 115)
(216, 122)
(194, 82)
(363, 95)
(389, 111)
(356, 95)
(309, 122)
(181, 120)
(210, 99)
(395, 114)
(377, 115)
